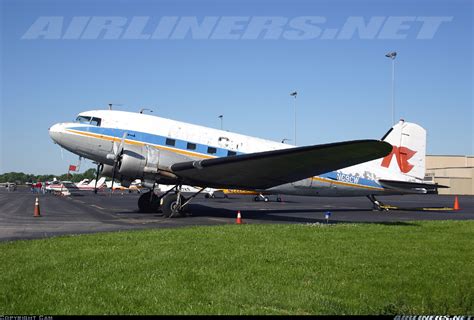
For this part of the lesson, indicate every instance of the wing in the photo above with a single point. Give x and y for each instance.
(263, 170)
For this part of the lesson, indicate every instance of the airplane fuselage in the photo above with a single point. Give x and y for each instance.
(94, 134)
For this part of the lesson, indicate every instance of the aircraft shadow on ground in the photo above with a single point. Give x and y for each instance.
(264, 215)
(280, 215)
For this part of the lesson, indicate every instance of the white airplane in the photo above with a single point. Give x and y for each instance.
(134, 186)
(69, 186)
(187, 189)
(158, 150)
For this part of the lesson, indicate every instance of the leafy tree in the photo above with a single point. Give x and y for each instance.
(22, 178)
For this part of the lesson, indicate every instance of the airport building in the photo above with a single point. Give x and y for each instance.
(456, 172)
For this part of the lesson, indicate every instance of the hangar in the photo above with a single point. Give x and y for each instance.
(454, 171)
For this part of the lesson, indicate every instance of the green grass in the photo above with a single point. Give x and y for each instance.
(414, 268)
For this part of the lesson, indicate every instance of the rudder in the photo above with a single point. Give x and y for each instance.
(409, 150)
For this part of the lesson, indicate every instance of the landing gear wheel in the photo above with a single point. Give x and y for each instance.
(257, 198)
(170, 205)
(278, 199)
(145, 205)
(265, 199)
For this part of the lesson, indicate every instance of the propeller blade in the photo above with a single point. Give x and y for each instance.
(97, 177)
(113, 178)
(117, 153)
(115, 148)
(121, 144)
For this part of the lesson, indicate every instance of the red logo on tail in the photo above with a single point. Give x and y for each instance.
(402, 154)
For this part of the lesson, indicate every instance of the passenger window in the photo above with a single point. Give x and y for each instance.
(211, 150)
(170, 142)
(191, 146)
(231, 153)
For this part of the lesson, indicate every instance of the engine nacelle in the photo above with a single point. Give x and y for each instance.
(138, 162)
(132, 162)
(107, 170)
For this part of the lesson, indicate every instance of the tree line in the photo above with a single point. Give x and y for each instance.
(22, 178)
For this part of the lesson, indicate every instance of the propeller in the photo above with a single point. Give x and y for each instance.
(97, 172)
(117, 155)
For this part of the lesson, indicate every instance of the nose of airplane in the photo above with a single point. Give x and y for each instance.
(56, 132)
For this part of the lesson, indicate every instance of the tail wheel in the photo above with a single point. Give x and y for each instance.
(170, 205)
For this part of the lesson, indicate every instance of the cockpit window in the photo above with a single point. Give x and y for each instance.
(82, 119)
(88, 120)
(95, 122)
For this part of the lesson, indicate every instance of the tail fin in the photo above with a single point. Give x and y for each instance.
(100, 182)
(409, 150)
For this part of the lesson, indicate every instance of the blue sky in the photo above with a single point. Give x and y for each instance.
(344, 86)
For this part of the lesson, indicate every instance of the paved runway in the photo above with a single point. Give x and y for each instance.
(88, 213)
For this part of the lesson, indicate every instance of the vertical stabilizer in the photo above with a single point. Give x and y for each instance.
(409, 150)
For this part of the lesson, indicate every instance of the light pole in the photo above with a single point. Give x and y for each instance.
(222, 120)
(392, 56)
(294, 94)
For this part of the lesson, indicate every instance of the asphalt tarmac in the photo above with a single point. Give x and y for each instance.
(90, 213)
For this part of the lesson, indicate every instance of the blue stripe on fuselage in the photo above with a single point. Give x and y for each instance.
(155, 139)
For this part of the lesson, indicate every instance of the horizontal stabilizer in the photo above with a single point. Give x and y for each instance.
(267, 169)
(415, 187)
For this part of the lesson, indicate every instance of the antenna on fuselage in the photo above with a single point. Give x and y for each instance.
(143, 109)
(113, 104)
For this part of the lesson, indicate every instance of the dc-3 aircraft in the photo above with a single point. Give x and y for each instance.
(131, 146)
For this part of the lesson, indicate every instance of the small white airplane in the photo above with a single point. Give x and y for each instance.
(134, 186)
(84, 185)
(187, 189)
(156, 150)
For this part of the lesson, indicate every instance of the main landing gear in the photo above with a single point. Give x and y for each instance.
(172, 203)
(265, 199)
(377, 205)
(260, 196)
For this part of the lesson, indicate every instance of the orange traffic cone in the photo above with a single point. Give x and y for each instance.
(37, 208)
(239, 218)
(456, 204)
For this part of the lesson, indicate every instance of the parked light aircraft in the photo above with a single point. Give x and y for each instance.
(83, 185)
(158, 150)
(134, 186)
